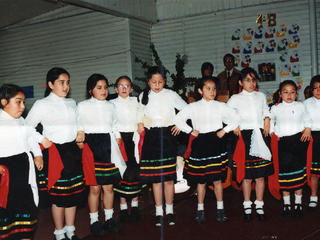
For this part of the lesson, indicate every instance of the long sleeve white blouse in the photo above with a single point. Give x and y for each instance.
(57, 116)
(313, 107)
(160, 110)
(207, 116)
(288, 119)
(96, 116)
(127, 112)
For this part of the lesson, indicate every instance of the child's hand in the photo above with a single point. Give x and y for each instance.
(271, 134)
(237, 131)
(221, 133)
(80, 136)
(46, 143)
(195, 133)
(266, 127)
(38, 161)
(2, 170)
(140, 128)
(80, 145)
(118, 141)
(306, 135)
(175, 131)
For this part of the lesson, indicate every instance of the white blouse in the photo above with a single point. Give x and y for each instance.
(96, 116)
(127, 112)
(252, 108)
(313, 107)
(160, 110)
(57, 116)
(288, 119)
(207, 117)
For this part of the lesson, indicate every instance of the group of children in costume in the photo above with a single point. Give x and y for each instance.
(126, 143)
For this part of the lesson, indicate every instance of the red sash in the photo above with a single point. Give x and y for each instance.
(88, 165)
(123, 151)
(140, 144)
(273, 180)
(4, 187)
(189, 149)
(239, 157)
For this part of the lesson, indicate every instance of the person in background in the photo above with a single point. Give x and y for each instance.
(207, 69)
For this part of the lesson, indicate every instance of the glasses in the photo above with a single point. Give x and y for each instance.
(228, 60)
(247, 80)
(124, 86)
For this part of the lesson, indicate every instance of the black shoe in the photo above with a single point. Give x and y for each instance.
(247, 216)
(221, 216)
(286, 211)
(74, 237)
(312, 208)
(111, 225)
(171, 219)
(200, 217)
(298, 211)
(135, 215)
(124, 216)
(97, 229)
(158, 221)
(261, 216)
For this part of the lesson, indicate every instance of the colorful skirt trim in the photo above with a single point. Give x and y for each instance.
(158, 156)
(19, 219)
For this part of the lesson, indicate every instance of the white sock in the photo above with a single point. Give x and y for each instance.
(259, 206)
(200, 206)
(286, 201)
(108, 213)
(69, 231)
(219, 204)
(313, 199)
(59, 234)
(247, 206)
(297, 199)
(159, 211)
(134, 203)
(123, 206)
(169, 209)
(94, 217)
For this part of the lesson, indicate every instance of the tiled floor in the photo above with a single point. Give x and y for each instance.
(276, 227)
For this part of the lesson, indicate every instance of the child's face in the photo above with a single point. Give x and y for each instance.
(15, 106)
(156, 82)
(209, 90)
(288, 93)
(316, 90)
(61, 85)
(123, 88)
(100, 91)
(207, 72)
(249, 83)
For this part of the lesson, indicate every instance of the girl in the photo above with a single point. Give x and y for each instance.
(158, 156)
(18, 189)
(127, 111)
(208, 159)
(291, 124)
(255, 161)
(97, 118)
(63, 176)
(313, 106)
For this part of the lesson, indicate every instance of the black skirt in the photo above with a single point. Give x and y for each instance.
(19, 219)
(315, 168)
(158, 156)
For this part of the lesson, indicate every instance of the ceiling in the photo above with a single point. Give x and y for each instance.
(15, 11)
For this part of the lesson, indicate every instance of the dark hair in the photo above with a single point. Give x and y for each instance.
(53, 75)
(248, 70)
(308, 90)
(314, 80)
(275, 98)
(151, 71)
(122, 77)
(92, 83)
(228, 55)
(201, 82)
(205, 66)
(286, 82)
(8, 91)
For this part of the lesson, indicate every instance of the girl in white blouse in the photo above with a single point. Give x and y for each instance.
(208, 160)
(127, 111)
(158, 156)
(18, 192)
(291, 123)
(253, 161)
(313, 107)
(63, 175)
(97, 118)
